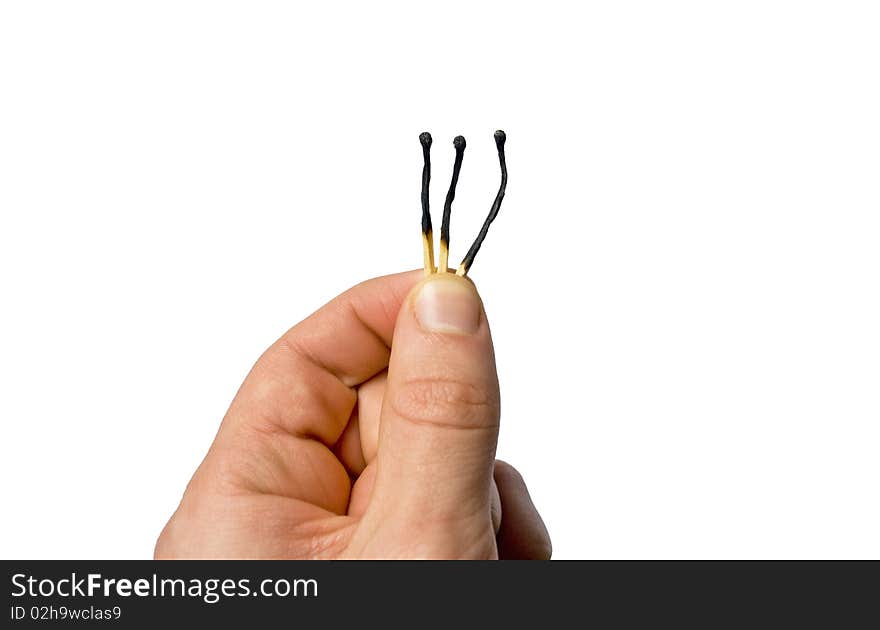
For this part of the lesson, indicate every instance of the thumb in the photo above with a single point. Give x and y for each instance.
(439, 422)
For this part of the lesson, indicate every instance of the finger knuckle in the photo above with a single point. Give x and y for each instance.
(445, 402)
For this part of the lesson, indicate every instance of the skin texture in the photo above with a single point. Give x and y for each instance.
(337, 446)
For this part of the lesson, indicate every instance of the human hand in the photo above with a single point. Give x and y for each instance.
(342, 444)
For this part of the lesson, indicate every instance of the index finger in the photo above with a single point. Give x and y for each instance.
(304, 383)
(350, 336)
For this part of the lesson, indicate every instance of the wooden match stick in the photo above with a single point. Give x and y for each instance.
(459, 144)
(464, 267)
(427, 231)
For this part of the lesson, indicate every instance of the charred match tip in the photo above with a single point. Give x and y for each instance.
(500, 138)
(425, 140)
(459, 143)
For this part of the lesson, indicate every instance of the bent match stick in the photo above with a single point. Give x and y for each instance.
(427, 232)
(459, 144)
(464, 267)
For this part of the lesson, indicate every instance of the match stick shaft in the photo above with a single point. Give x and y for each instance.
(427, 231)
(464, 267)
(459, 143)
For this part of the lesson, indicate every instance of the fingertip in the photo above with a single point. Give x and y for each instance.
(523, 534)
(446, 303)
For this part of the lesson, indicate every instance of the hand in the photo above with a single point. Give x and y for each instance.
(342, 444)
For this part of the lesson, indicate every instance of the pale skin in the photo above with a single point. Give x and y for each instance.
(367, 431)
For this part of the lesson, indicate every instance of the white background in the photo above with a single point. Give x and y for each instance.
(682, 283)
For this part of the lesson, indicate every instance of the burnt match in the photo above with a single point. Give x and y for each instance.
(500, 139)
(427, 232)
(459, 144)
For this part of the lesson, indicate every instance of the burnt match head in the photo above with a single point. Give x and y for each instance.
(459, 143)
(500, 138)
(425, 139)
